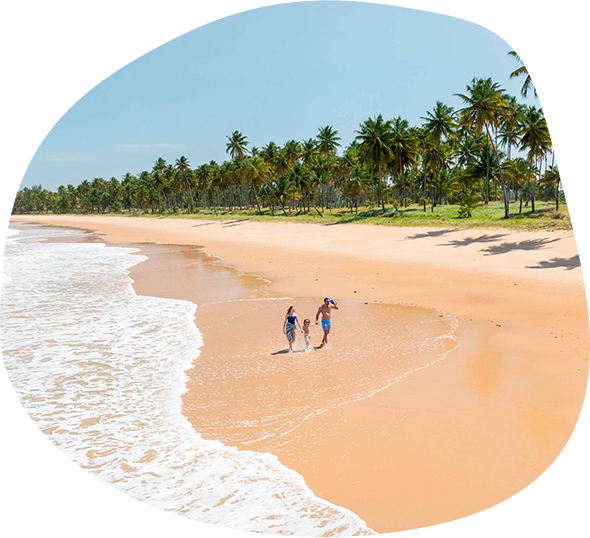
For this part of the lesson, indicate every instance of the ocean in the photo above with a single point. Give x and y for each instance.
(101, 371)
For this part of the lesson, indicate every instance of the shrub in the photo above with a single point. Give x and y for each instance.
(469, 201)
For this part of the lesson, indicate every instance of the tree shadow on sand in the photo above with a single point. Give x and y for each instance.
(567, 263)
(530, 244)
(231, 223)
(471, 240)
(433, 233)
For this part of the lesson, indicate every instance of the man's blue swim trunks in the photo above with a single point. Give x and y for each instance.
(326, 324)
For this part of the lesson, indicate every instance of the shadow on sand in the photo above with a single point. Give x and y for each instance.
(433, 233)
(530, 244)
(566, 263)
(471, 240)
(287, 352)
(234, 223)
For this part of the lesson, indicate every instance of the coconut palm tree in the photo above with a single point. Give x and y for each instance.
(439, 123)
(517, 171)
(522, 71)
(404, 147)
(309, 157)
(427, 152)
(536, 141)
(375, 138)
(183, 167)
(237, 145)
(357, 184)
(300, 179)
(292, 152)
(553, 178)
(485, 103)
(283, 190)
(328, 143)
(158, 180)
(510, 119)
(257, 170)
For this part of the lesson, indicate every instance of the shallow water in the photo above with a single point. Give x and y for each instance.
(101, 371)
(104, 369)
(255, 394)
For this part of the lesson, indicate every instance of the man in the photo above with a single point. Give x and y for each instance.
(326, 311)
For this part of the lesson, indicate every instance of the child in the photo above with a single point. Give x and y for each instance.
(306, 334)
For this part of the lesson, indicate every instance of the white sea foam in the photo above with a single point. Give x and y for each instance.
(6, 233)
(101, 371)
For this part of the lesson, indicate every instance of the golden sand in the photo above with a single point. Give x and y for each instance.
(444, 442)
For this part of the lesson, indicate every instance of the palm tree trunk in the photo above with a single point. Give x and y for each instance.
(533, 189)
(435, 192)
(381, 191)
(425, 181)
(309, 187)
(487, 170)
(403, 176)
(256, 198)
(502, 184)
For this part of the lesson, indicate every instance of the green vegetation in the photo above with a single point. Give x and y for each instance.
(456, 169)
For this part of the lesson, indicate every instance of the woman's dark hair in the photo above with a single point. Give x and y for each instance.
(290, 308)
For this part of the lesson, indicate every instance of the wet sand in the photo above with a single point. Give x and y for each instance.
(446, 441)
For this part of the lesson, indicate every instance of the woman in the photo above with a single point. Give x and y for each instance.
(289, 326)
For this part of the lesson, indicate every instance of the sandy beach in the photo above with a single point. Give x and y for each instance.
(504, 314)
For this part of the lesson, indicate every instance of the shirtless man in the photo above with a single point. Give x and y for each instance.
(326, 311)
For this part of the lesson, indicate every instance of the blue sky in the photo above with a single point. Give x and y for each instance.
(275, 73)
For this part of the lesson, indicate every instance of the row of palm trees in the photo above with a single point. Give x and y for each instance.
(462, 156)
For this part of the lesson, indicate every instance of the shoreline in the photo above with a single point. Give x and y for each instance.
(471, 430)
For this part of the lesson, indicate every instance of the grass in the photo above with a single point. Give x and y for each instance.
(490, 216)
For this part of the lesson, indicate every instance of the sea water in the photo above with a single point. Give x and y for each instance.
(101, 371)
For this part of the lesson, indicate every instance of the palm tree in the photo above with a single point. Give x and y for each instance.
(237, 145)
(357, 184)
(171, 187)
(292, 152)
(269, 153)
(203, 177)
(328, 143)
(428, 149)
(448, 185)
(522, 71)
(404, 147)
(536, 140)
(300, 178)
(553, 178)
(517, 170)
(468, 150)
(158, 180)
(509, 134)
(485, 103)
(440, 124)
(375, 139)
(257, 170)
(309, 157)
(283, 189)
(183, 168)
